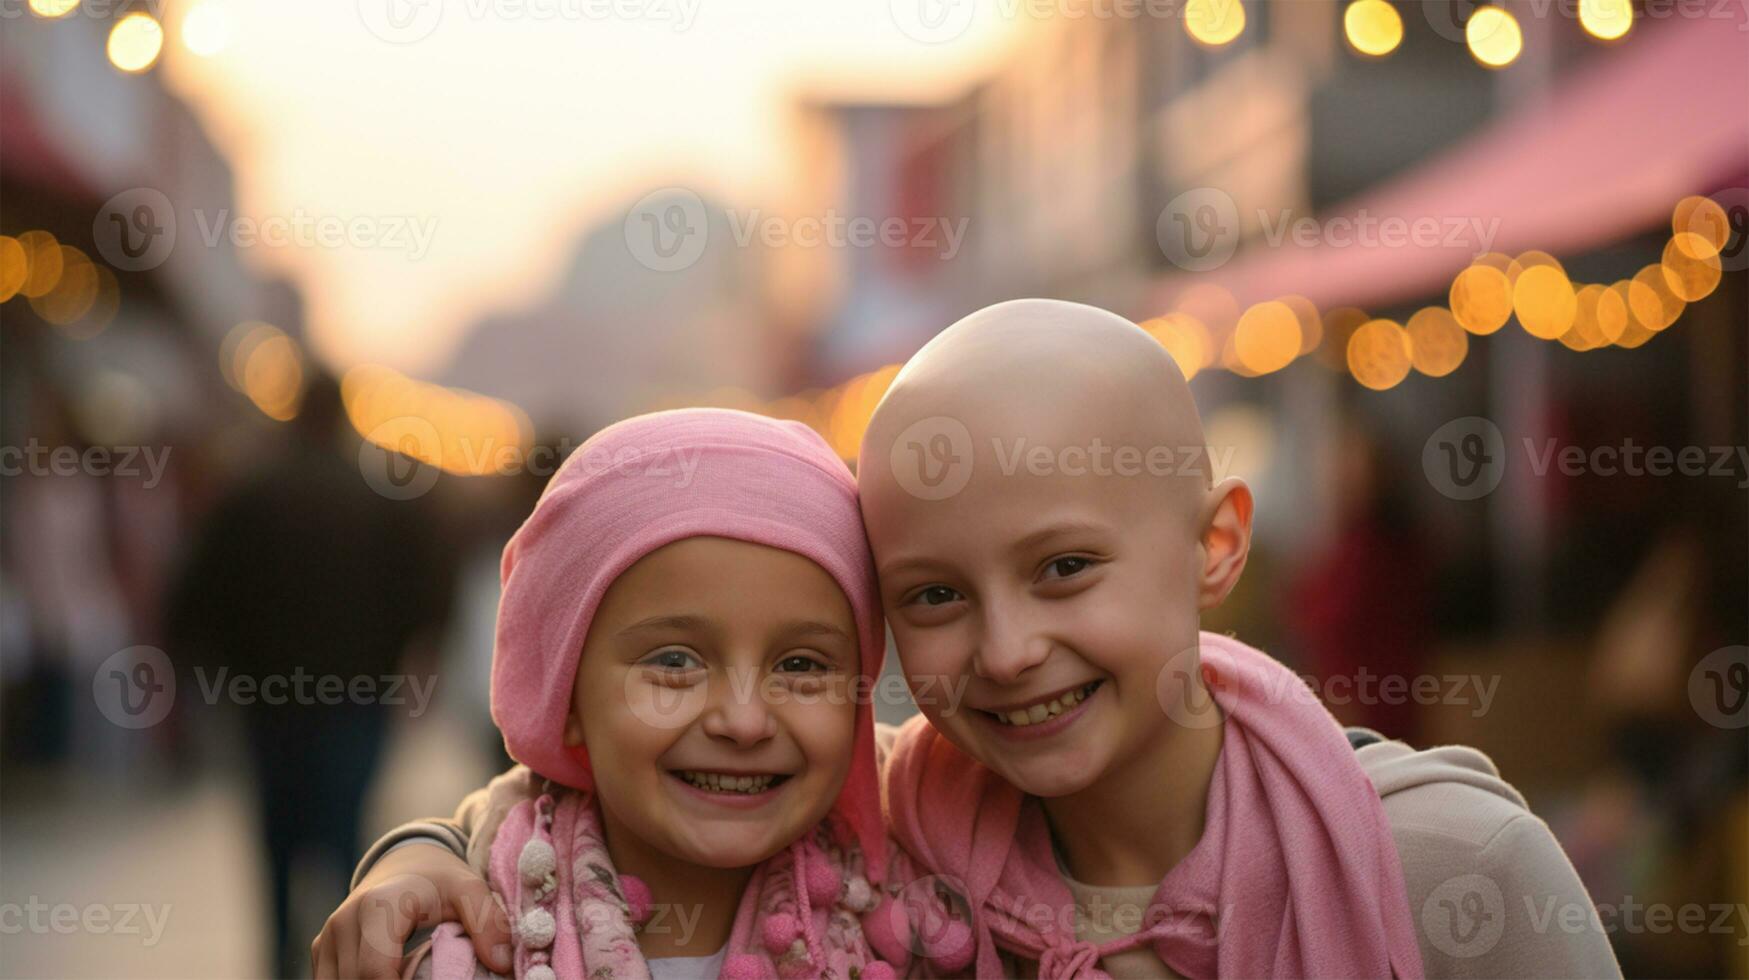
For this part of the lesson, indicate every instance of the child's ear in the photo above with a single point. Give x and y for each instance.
(573, 729)
(1225, 541)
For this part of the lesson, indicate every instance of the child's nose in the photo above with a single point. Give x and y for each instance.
(738, 712)
(1008, 651)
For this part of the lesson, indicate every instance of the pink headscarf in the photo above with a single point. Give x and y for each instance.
(647, 482)
(1296, 874)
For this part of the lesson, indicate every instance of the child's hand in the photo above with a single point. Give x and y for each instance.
(411, 887)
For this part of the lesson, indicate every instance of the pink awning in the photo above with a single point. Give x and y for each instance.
(1606, 155)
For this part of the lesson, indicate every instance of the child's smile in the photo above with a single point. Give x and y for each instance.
(738, 790)
(1044, 716)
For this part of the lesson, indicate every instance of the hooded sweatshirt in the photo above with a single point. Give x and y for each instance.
(1491, 891)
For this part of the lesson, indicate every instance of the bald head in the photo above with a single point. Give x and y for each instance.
(1046, 372)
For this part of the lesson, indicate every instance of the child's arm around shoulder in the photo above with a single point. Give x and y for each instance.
(1490, 890)
(468, 835)
(422, 873)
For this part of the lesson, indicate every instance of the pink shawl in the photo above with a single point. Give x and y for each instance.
(573, 915)
(1296, 874)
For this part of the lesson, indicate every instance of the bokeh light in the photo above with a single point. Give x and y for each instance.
(1373, 27)
(1494, 37)
(1214, 23)
(1611, 313)
(1655, 305)
(1481, 299)
(1585, 333)
(1635, 298)
(73, 293)
(135, 42)
(53, 8)
(14, 267)
(1691, 266)
(42, 256)
(1702, 216)
(207, 28)
(1185, 338)
(1267, 338)
(1544, 300)
(273, 376)
(1378, 354)
(1526, 260)
(1311, 325)
(1437, 344)
(1606, 20)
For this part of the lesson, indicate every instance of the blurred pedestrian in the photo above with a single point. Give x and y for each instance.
(305, 582)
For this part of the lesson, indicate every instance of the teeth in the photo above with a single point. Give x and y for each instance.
(723, 783)
(1033, 714)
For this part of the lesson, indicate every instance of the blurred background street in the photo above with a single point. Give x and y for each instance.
(301, 304)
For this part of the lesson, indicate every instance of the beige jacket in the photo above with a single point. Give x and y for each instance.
(1492, 893)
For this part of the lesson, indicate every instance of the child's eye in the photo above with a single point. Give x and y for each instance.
(935, 595)
(673, 658)
(802, 664)
(1066, 566)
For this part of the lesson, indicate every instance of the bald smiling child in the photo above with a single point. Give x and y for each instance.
(1111, 790)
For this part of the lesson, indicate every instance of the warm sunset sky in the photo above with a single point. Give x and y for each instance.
(514, 132)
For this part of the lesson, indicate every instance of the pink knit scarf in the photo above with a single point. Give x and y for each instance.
(1296, 874)
(573, 916)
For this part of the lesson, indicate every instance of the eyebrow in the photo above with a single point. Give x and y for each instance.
(669, 622)
(812, 627)
(1049, 533)
(688, 621)
(902, 566)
